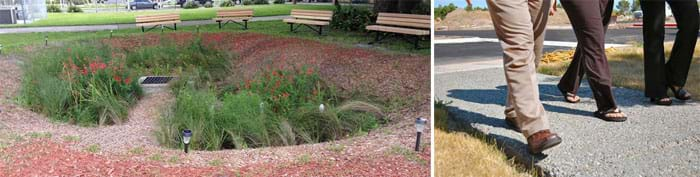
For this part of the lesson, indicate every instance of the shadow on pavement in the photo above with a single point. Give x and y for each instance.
(497, 96)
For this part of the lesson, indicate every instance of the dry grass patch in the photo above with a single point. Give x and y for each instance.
(463, 154)
(459, 154)
(626, 66)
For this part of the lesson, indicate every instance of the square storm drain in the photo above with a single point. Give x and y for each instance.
(156, 80)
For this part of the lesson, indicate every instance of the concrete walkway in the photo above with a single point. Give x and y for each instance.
(114, 26)
(655, 141)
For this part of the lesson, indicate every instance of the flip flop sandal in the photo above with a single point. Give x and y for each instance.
(570, 97)
(681, 93)
(662, 101)
(605, 115)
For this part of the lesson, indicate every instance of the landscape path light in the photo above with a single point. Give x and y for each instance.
(110, 33)
(321, 108)
(262, 107)
(0, 48)
(420, 125)
(46, 40)
(186, 135)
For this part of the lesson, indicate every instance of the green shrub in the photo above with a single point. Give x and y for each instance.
(442, 11)
(74, 9)
(167, 57)
(92, 83)
(78, 87)
(261, 2)
(247, 2)
(208, 5)
(277, 108)
(352, 18)
(190, 5)
(423, 8)
(51, 8)
(278, 1)
(226, 3)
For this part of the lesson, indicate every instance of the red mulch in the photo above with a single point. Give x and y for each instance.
(43, 157)
(46, 158)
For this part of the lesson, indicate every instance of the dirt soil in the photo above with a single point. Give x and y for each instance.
(31, 144)
(465, 20)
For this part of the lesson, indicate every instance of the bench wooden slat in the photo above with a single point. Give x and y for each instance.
(157, 18)
(398, 30)
(158, 23)
(399, 15)
(407, 20)
(232, 18)
(235, 12)
(321, 12)
(312, 17)
(404, 24)
(308, 22)
(311, 14)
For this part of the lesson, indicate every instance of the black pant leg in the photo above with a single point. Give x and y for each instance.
(686, 14)
(654, 61)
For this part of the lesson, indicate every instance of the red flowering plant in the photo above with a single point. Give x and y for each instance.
(288, 89)
(104, 88)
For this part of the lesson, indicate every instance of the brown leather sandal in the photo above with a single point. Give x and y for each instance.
(570, 97)
(605, 115)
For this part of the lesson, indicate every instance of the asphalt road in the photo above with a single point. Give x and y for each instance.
(654, 141)
(470, 52)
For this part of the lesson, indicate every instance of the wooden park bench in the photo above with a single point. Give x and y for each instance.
(416, 26)
(157, 20)
(309, 18)
(237, 16)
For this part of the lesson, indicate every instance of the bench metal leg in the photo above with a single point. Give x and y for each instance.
(415, 42)
(175, 25)
(376, 37)
(320, 30)
(291, 27)
(219, 24)
(143, 29)
(245, 27)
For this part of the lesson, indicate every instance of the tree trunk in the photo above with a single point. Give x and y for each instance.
(294, 1)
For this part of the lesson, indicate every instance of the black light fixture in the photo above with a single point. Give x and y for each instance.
(46, 39)
(420, 125)
(186, 135)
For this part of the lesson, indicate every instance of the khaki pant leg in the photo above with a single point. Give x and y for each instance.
(512, 21)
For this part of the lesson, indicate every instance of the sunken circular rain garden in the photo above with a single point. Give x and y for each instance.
(232, 91)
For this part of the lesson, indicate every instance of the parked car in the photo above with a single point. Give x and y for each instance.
(142, 4)
(638, 14)
(201, 2)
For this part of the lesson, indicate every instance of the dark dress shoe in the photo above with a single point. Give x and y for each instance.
(541, 141)
(511, 122)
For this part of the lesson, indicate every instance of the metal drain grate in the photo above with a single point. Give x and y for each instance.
(157, 80)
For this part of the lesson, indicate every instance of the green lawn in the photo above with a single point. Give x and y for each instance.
(67, 19)
(13, 42)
